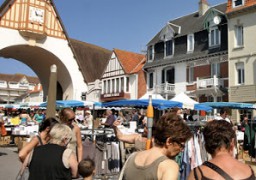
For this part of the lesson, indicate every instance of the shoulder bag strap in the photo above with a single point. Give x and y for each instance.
(40, 140)
(195, 174)
(218, 170)
(125, 164)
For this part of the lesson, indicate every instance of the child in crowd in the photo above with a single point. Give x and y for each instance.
(86, 168)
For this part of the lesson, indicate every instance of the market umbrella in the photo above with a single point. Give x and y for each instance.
(190, 103)
(156, 103)
(65, 103)
(231, 105)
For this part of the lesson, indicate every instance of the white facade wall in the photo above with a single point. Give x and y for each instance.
(180, 77)
(246, 54)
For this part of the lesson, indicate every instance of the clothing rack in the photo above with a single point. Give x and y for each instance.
(102, 146)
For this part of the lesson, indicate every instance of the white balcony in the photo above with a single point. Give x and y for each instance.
(209, 83)
(165, 88)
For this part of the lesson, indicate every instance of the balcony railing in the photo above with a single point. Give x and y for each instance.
(165, 88)
(210, 82)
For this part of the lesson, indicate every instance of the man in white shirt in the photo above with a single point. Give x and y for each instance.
(223, 115)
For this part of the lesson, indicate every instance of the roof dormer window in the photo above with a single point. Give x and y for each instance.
(237, 3)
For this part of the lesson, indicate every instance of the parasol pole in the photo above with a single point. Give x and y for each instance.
(150, 115)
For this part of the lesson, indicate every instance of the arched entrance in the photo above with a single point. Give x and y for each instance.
(32, 33)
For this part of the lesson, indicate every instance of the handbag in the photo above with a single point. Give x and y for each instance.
(23, 174)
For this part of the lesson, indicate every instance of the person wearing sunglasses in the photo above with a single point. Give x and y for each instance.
(170, 134)
(67, 116)
(219, 138)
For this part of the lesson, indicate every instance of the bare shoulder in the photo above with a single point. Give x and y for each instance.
(76, 127)
(168, 169)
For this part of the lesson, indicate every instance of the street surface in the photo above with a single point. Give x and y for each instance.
(9, 163)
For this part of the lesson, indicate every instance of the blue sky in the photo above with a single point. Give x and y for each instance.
(123, 24)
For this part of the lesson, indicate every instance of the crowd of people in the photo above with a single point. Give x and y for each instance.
(57, 151)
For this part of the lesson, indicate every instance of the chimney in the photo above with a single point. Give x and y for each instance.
(203, 7)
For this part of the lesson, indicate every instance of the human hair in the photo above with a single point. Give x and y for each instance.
(224, 110)
(49, 122)
(218, 134)
(86, 167)
(170, 126)
(63, 114)
(174, 110)
(59, 132)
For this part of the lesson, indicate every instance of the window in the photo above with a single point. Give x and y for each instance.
(238, 3)
(168, 48)
(191, 74)
(168, 75)
(210, 99)
(117, 85)
(190, 43)
(127, 84)
(113, 86)
(240, 73)
(215, 69)
(151, 80)
(122, 84)
(150, 53)
(214, 37)
(105, 87)
(108, 84)
(159, 51)
(239, 36)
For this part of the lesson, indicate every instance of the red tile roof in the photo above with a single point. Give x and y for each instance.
(18, 78)
(130, 61)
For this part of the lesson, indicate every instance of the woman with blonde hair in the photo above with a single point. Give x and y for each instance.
(54, 161)
(40, 139)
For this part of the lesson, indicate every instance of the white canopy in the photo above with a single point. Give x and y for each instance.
(185, 100)
(154, 96)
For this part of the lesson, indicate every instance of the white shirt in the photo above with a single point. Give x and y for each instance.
(221, 118)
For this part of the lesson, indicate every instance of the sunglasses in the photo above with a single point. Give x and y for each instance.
(72, 119)
(182, 145)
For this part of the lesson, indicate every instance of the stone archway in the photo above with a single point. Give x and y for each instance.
(40, 60)
(32, 32)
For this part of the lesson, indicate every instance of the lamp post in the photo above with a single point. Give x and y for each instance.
(52, 89)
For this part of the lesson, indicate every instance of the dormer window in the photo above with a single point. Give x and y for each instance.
(214, 36)
(169, 48)
(237, 3)
(190, 43)
(150, 52)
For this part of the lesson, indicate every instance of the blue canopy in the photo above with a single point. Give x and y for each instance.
(202, 107)
(231, 105)
(65, 103)
(157, 103)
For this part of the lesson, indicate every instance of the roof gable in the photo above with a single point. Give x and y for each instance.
(92, 59)
(130, 61)
(18, 15)
(166, 33)
(210, 16)
(19, 77)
